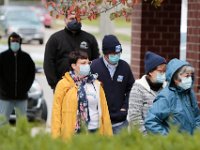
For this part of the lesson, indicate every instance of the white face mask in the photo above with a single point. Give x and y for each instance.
(14, 46)
(84, 70)
(185, 83)
(160, 78)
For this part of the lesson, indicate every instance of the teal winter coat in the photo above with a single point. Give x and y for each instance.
(173, 105)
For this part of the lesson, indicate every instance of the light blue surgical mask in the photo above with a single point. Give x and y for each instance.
(160, 77)
(14, 46)
(186, 83)
(84, 70)
(113, 59)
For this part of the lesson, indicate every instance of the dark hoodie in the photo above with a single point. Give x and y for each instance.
(17, 73)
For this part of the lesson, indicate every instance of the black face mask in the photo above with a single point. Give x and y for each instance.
(74, 25)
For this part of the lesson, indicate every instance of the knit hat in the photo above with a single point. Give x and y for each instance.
(152, 60)
(111, 44)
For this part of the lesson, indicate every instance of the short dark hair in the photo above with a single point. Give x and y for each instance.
(75, 55)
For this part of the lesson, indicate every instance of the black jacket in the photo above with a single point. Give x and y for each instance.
(58, 47)
(17, 73)
(117, 89)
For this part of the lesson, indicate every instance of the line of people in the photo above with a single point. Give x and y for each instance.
(99, 94)
(162, 96)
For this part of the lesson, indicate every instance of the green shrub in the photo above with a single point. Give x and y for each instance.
(20, 138)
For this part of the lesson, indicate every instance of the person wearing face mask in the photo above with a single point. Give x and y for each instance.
(176, 104)
(117, 79)
(79, 101)
(17, 73)
(61, 43)
(145, 90)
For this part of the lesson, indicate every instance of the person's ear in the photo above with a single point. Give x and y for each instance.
(73, 66)
(150, 73)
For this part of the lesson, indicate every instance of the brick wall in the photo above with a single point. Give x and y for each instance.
(155, 29)
(193, 40)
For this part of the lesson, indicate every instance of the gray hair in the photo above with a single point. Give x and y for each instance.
(182, 70)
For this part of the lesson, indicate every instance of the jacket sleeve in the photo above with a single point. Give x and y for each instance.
(49, 62)
(95, 49)
(106, 128)
(135, 111)
(31, 73)
(196, 109)
(57, 109)
(157, 115)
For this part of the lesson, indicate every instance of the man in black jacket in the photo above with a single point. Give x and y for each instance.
(17, 73)
(61, 43)
(117, 79)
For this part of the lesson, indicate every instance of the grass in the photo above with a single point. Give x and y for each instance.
(3, 41)
(122, 23)
(122, 37)
(118, 23)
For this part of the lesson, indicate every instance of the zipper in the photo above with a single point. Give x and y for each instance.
(15, 54)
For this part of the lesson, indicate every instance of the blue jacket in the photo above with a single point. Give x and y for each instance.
(173, 105)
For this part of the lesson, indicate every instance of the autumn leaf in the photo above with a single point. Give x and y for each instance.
(92, 8)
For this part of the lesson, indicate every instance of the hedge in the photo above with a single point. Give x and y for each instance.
(19, 137)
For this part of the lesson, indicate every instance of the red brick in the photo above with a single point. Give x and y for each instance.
(175, 15)
(154, 35)
(168, 36)
(147, 28)
(160, 42)
(161, 29)
(155, 32)
(174, 29)
(167, 22)
(162, 15)
(147, 42)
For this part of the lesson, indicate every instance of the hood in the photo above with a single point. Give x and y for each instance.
(172, 67)
(16, 36)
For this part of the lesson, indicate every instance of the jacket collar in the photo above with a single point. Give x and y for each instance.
(70, 32)
(69, 79)
(143, 82)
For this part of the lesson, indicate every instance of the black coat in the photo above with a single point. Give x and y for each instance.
(117, 89)
(58, 47)
(17, 73)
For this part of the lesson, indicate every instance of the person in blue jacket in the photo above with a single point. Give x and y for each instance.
(176, 103)
(117, 79)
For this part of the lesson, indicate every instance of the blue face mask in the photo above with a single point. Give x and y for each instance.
(185, 83)
(160, 78)
(14, 46)
(113, 59)
(84, 70)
